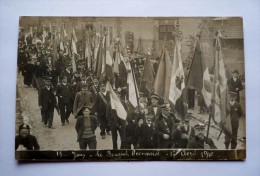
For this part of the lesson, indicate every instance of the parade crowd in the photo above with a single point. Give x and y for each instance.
(83, 95)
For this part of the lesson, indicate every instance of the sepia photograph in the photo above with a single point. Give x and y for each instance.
(130, 88)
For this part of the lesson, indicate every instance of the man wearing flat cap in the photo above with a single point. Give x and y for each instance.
(154, 108)
(235, 113)
(82, 99)
(235, 85)
(24, 140)
(200, 141)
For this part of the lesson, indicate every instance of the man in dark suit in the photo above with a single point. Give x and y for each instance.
(145, 132)
(235, 113)
(235, 85)
(94, 89)
(100, 108)
(64, 94)
(47, 102)
(200, 141)
(163, 126)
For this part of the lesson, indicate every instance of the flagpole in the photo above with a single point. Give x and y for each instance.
(214, 89)
(137, 98)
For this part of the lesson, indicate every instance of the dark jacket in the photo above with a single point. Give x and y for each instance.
(80, 99)
(100, 105)
(47, 98)
(94, 90)
(64, 93)
(30, 142)
(80, 125)
(198, 143)
(146, 136)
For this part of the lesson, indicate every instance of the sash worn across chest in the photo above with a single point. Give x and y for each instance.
(103, 98)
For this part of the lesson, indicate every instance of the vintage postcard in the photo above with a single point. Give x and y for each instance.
(130, 88)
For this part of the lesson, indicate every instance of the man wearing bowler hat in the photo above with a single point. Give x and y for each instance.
(47, 102)
(65, 100)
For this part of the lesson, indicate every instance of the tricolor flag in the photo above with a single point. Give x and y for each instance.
(177, 83)
(88, 53)
(132, 96)
(199, 78)
(220, 92)
(116, 103)
(162, 80)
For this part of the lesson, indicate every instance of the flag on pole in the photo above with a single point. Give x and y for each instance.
(199, 78)
(220, 94)
(177, 83)
(116, 103)
(132, 96)
(162, 80)
(73, 52)
(148, 75)
(118, 59)
(74, 35)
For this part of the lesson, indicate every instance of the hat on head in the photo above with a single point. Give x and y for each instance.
(64, 77)
(118, 90)
(235, 71)
(140, 67)
(24, 126)
(232, 95)
(76, 74)
(47, 78)
(86, 107)
(84, 85)
(141, 94)
(199, 126)
(166, 106)
(155, 96)
(103, 82)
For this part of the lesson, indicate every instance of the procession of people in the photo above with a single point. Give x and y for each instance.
(73, 84)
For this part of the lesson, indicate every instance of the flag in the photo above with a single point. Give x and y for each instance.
(132, 96)
(199, 78)
(116, 103)
(162, 80)
(177, 83)
(220, 94)
(73, 52)
(74, 35)
(118, 59)
(88, 53)
(100, 62)
(109, 65)
(148, 75)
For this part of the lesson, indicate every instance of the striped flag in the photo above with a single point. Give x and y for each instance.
(220, 93)
(177, 83)
(131, 87)
(162, 80)
(116, 103)
(199, 78)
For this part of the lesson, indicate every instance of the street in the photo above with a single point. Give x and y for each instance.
(65, 137)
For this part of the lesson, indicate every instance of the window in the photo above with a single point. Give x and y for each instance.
(165, 31)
